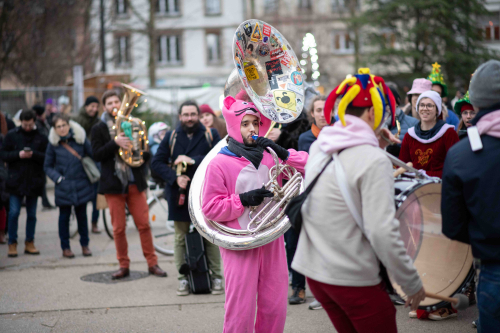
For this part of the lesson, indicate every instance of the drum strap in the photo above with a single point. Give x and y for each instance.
(354, 205)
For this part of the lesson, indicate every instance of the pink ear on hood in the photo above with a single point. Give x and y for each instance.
(229, 101)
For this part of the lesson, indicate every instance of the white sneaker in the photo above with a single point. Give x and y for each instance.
(442, 314)
(315, 305)
(183, 289)
(217, 288)
(412, 314)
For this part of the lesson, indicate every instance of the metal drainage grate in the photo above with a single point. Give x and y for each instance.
(105, 277)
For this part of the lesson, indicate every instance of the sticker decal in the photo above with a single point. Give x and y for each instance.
(273, 67)
(269, 109)
(248, 29)
(273, 83)
(256, 34)
(296, 78)
(274, 42)
(266, 30)
(251, 73)
(285, 99)
(277, 53)
(282, 78)
(250, 48)
(239, 47)
(294, 88)
(264, 50)
(265, 40)
(286, 60)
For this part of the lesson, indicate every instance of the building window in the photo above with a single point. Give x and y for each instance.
(305, 4)
(169, 50)
(343, 42)
(121, 7)
(213, 48)
(212, 7)
(343, 5)
(167, 7)
(122, 50)
(271, 6)
(492, 32)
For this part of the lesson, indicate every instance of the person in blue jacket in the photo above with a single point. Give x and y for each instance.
(72, 186)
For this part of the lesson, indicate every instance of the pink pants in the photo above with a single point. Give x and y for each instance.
(256, 277)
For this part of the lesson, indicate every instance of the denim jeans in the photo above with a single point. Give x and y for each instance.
(488, 298)
(292, 239)
(15, 210)
(81, 218)
(95, 212)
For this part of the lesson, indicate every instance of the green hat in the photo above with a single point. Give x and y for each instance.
(437, 78)
(460, 103)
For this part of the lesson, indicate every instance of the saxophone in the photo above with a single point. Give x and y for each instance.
(134, 128)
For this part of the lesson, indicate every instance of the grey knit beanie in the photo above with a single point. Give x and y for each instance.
(484, 90)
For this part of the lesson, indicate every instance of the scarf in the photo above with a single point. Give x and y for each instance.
(253, 154)
(489, 124)
(123, 171)
(337, 137)
(431, 135)
(315, 130)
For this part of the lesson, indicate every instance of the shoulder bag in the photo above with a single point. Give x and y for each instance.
(88, 163)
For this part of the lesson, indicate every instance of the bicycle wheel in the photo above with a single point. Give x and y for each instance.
(162, 229)
(106, 219)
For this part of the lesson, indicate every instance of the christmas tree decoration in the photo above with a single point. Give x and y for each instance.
(437, 78)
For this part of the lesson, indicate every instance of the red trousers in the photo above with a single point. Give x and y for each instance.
(138, 207)
(356, 309)
(3, 218)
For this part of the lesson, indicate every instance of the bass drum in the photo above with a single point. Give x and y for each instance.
(445, 266)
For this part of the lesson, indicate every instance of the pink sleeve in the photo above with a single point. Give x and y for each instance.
(219, 204)
(298, 160)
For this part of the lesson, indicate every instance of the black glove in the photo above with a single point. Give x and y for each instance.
(280, 151)
(255, 197)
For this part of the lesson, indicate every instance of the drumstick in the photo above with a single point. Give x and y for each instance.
(400, 171)
(459, 302)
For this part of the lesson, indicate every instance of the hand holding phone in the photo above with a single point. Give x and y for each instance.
(26, 153)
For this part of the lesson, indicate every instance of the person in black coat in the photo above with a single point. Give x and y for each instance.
(189, 143)
(122, 185)
(470, 192)
(73, 188)
(24, 152)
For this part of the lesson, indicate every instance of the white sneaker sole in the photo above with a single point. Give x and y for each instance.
(217, 292)
(439, 318)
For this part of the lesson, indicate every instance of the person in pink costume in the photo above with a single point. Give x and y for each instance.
(233, 183)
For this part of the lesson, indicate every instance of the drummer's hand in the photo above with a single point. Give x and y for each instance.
(385, 138)
(415, 299)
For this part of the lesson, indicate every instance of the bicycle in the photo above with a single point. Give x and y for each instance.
(161, 228)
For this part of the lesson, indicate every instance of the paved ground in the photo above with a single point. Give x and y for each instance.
(45, 293)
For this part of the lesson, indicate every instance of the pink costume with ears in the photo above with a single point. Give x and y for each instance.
(258, 275)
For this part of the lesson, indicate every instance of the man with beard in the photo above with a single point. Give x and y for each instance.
(122, 185)
(187, 144)
(233, 184)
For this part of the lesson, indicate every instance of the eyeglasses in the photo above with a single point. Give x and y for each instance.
(469, 113)
(426, 106)
(61, 126)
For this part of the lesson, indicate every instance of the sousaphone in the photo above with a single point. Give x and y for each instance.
(268, 70)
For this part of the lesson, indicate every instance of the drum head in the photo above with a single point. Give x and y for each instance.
(443, 264)
(269, 71)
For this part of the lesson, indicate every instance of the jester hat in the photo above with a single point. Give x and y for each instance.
(437, 78)
(362, 90)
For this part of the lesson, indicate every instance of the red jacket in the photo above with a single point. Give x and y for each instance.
(428, 156)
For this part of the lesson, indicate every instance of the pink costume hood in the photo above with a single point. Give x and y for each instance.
(234, 111)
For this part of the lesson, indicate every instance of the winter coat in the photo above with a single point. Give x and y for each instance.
(196, 148)
(105, 151)
(306, 139)
(26, 176)
(86, 121)
(75, 189)
(43, 126)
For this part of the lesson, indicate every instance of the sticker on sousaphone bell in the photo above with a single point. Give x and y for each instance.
(251, 73)
(247, 27)
(285, 99)
(256, 34)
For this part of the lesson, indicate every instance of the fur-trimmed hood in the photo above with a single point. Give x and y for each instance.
(78, 134)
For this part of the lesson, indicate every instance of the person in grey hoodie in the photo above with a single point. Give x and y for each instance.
(341, 258)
